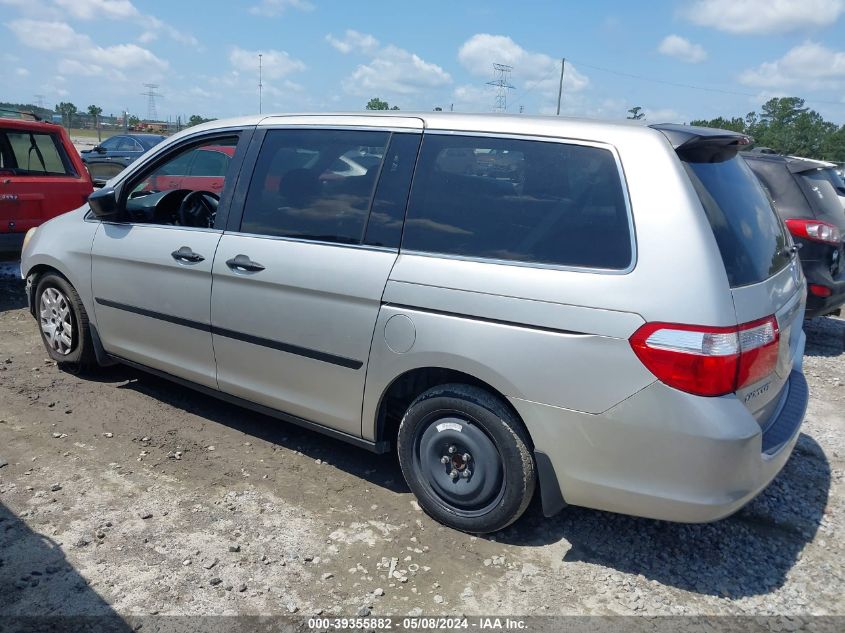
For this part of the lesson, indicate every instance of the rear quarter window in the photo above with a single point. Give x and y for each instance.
(519, 200)
(752, 239)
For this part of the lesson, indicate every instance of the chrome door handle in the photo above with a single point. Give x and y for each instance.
(244, 263)
(186, 254)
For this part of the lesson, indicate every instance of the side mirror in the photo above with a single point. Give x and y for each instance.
(103, 203)
(100, 149)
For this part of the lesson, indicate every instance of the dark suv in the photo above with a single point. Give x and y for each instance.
(809, 205)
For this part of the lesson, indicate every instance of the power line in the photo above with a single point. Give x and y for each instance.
(690, 86)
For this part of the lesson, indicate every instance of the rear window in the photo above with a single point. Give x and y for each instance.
(822, 193)
(32, 154)
(751, 237)
(519, 200)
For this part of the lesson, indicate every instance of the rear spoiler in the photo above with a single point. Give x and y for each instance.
(704, 144)
(688, 136)
(19, 114)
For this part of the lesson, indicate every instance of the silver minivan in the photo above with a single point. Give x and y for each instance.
(607, 314)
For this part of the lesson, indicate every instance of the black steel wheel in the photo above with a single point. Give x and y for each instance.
(467, 458)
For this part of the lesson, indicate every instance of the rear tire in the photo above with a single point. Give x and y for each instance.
(63, 323)
(467, 458)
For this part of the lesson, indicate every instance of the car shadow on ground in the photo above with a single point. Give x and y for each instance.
(381, 470)
(12, 295)
(749, 553)
(825, 336)
(41, 590)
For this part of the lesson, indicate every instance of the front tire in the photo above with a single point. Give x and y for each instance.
(63, 323)
(467, 458)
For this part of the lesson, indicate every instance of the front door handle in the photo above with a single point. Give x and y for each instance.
(243, 262)
(187, 255)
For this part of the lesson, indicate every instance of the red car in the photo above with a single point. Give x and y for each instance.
(41, 176)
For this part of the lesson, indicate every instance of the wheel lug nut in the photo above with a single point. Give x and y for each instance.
(444, 460)
(454, 474)
(466, 474)
(452, 449)
(467, 457)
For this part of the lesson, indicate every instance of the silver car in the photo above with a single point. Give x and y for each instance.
(606, 314)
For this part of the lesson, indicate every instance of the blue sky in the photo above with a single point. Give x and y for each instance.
(321, 55)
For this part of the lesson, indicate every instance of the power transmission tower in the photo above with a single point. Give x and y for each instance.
(151, 94)
(39, 100)
(502, 82)
(260, 85)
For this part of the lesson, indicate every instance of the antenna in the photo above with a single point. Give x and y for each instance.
(151, 94)
(502, 82)
(260, 85)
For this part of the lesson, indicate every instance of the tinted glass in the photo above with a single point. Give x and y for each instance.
(531, 201)
(822, 194)
(314, 184)
(751, 237)
(210, 162)
(384, 227)
(112, 143)
(36, 154)
(127, 144)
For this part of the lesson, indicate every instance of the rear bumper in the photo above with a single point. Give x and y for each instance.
(11, 243)
(818, 273)
(664, 454)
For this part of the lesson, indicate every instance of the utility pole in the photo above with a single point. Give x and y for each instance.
(560, 87)
(260, 86)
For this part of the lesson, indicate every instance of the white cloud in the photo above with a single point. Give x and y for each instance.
(274, 64)
(395, 71)
(98, 9)
(116, 10)
(532, 72)
(808, 65)
(391, 71)
(21, 72)
(353, 41)
(681, 48)
(764, 16)
(278, 7)
(78, 50)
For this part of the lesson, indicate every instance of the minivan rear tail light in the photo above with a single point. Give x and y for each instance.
(814, 230)
(708, 361)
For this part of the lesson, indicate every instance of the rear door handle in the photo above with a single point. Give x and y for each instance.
(243, 262)
(185, 254)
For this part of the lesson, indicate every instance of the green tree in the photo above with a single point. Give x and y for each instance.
(377, 104)
(132, 121)
(737, 124)
(95, 112)
(67, 110)
(636, 113)
(196, 119)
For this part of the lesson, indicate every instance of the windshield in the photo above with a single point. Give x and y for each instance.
(751, 237)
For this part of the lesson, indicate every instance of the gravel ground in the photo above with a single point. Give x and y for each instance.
(125, 493)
